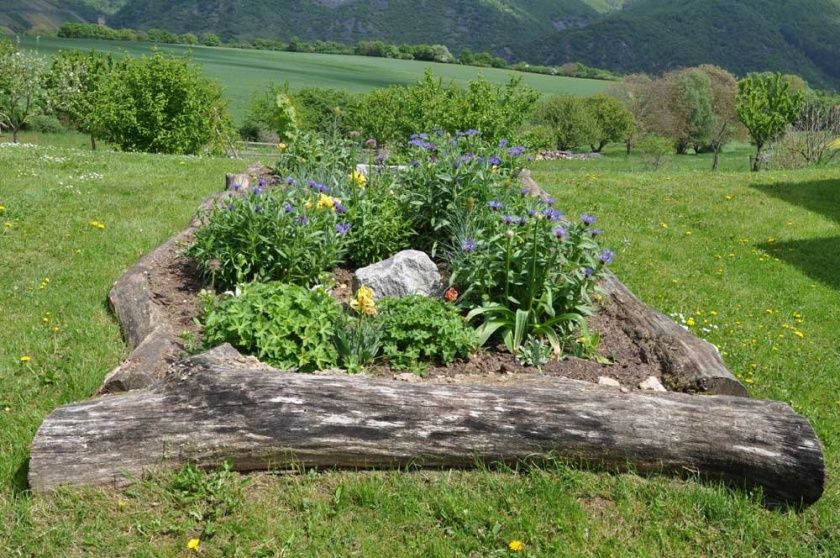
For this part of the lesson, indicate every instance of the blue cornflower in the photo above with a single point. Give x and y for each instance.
(291, 181)
(318, 187)
(258, 208)
(588, 272)
(469, 245)
(257, 191)
(422, 144)
(287, 207)
(552, 214)
(503, 143)
(588, 219)
(520, 220)
(494, 161)
(561, 232)
(422, 136)
(532, 212)
(467, 133)
(524, 191)
(230, 207)
(548, 200)
(606, 256)
(343, 228)
(495, 205)
(262, 182)
(508, 219)
(516, 151)
(596, 232)
(340, 207)
(380, 159)
(302, 219)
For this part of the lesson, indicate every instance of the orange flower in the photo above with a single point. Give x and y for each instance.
(450, 295)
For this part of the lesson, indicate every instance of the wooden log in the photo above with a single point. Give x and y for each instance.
(689, 364)
(207, 412)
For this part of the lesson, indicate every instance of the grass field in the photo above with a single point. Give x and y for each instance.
(242, 72)
(753, 254)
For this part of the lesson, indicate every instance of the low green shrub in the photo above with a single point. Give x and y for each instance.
(572, 122)
(324, 110)
(289, 235)
(656, 150)
(381, 225)
(358, 341)
(284, 325)
(417, 329)
(46, 124)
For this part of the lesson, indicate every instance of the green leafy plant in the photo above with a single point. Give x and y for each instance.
(586, 346)
(416, 329)
(287, 235)
(656, 150)
(22, 78)
(283, 325)
(358, 341)
(381, 226)
(525, 271)
(534, 352)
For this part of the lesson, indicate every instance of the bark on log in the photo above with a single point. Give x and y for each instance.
(263, 419)
(689, 364)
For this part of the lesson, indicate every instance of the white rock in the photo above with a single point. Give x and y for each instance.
(405, 273)
(605, 381)
(652, 384)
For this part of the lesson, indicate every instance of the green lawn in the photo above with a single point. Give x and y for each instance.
(242, 72)
(753, 257)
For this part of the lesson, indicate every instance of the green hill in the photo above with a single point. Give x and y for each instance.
(800, 37)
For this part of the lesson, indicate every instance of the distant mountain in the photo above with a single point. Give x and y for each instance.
(801, 36)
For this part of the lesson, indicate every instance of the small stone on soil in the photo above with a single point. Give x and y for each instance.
(652, 384)
(605, 381)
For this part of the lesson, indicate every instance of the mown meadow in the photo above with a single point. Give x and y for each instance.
(747, 260)
(242, 72)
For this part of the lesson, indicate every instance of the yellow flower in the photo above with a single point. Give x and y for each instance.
(308, 204)
(2, 208)
(25, 358)
(358, 178)
(363, 302)
(325, 202)
(193, 544)
(516, 545)
(281, 146)
(97, 225)
(690, 322)
(799, 334)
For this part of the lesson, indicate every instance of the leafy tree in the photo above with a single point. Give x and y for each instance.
(74, 86)
(766, 105)
(634, 93)
(22, 76)
(210, 39)
(162, 104)
(693, 89)
(614, 121)
(570, 119)
(724, 125)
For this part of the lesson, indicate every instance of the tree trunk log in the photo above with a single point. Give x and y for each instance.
(210, 410)
(689, 364)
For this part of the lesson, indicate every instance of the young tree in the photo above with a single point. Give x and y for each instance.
(162, 104)
(766, 105)
(724, 88)
(634, 92)
(819, 128)
(614, 121)
(74, 86)
(21, 86)
(693, 89)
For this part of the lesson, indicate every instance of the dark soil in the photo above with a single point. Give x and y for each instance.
(175, 283)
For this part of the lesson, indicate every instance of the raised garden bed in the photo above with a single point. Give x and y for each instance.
(221, 404)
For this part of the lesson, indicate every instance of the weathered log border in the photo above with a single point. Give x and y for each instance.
(214, 407)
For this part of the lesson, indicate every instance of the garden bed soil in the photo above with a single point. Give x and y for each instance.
(175, 284)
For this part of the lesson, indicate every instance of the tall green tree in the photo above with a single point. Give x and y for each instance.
(725, 124)
(694, 99)
(570, 119)
(22, 76)
(74, 88)
(614, 121)
(766, 104)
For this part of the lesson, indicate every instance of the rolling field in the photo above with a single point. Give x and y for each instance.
(242, 72)
(752, 257)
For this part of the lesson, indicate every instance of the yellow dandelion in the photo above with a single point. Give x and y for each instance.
(663, 225)
(358, 178)
(325, 202)
(25, 358)
(193, 544)
(690, 322)
(308, 204)
(281, 146)
(727, 197)
(2, 208)
(516, 545)
(799, 334)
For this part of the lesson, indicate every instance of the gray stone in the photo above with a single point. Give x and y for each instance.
(605, 381)
(652, 384)
(405, 273)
